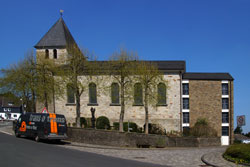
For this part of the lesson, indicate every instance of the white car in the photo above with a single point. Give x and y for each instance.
(246, 141)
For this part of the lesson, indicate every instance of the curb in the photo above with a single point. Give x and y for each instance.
(6, 133)
(234, 161)
(206, 162)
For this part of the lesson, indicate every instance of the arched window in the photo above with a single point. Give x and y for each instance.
(70, 94)
(115, 93)
(55, 53)
(161, 94)
(92, 93)
(46, 54)
(138, 94)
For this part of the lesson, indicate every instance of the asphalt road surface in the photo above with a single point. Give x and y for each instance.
(23, 152)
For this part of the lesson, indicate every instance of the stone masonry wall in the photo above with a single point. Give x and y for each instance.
(167, 116)
(205, 102)
(61, 55)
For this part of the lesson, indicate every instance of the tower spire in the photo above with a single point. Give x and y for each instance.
(61, 12)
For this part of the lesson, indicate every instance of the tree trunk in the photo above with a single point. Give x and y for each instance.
(33, 102)
(53, 96)
(78, 105)
(46, 100)
(122, 106)
(146, 109)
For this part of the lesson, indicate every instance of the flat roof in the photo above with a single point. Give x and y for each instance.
(207, 76)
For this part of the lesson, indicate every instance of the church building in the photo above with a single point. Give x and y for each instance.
(188, 95)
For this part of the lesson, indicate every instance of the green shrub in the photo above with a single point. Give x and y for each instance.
(125, 126)
(201, 121)
(102, 122)
(186, 131)
(89, 123)
(116, 125)
(202, 129)
(69, 124)
(240, 153)
(83, 122)
(132, 125)
(155, 129)
(74, 124)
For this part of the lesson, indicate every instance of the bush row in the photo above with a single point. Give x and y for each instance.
(103, 122)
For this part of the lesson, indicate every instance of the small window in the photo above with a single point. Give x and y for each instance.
(55, 53)
(70, 94)
(185, 117)
(185, 103)
(138, 94)
(185, 89)
(225, 103)
(115, 93)
(161, 94)
(46, 54)
(224, 89)
(92, 93)
(225, 131)
(225, 118)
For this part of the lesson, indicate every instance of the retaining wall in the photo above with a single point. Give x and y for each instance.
(123, 139)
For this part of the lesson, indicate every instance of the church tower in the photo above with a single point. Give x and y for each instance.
(53, 44)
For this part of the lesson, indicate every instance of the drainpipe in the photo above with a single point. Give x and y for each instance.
(230, 115)
(180, 101)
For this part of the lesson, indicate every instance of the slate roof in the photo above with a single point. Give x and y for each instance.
(162, 65)
(207, 76)
(58, 36)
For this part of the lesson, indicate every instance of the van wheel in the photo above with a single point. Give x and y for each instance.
(37, 139)
(16, 134)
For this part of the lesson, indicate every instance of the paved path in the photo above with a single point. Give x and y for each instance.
(216, 159)
(178, 157)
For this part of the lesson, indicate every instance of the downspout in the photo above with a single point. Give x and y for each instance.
(181, 101)
(231, 116)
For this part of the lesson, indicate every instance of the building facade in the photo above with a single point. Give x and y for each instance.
(189, 96)
(9, 109)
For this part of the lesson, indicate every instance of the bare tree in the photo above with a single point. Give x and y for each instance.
(148, 75)
(121, 66)
(78, 66)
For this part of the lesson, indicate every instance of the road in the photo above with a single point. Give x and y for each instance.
(18, 152)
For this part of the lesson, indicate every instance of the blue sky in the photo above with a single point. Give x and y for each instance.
(211, 35)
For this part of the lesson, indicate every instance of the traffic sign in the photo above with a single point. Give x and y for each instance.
(241, 121)
(45, 110)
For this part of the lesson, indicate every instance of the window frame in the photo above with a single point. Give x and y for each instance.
(55, 53)
(138, 98)
(69, 88)
(92, 94)
(115, 94)
(225, 119)
(185, 89)
(223, 129)
(184, 105)
(225, 105)
(225, 91)
(185, 118)
(161, 94)
(46, 53)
